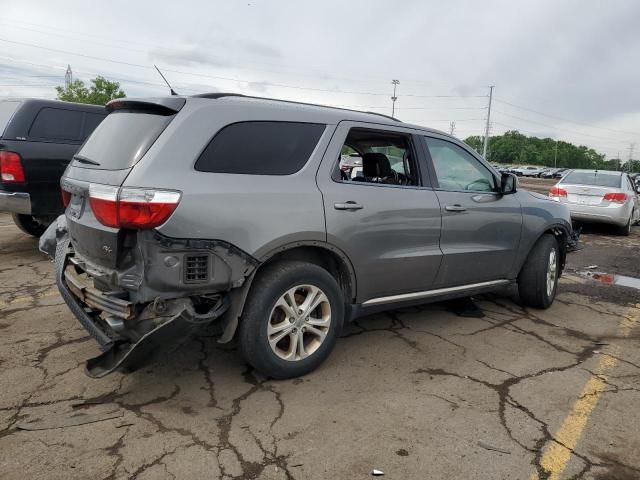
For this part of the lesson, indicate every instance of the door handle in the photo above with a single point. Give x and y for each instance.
(455, 208)
(350, 205)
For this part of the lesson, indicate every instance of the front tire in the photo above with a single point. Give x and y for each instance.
(29, 225)
(538, 279)
(292, 319)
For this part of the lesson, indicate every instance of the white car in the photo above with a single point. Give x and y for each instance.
(530, 171)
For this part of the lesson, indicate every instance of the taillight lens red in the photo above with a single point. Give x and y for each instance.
(134, 208)
(11, 167)
(557, 192)
(615, 197)
(66, 197)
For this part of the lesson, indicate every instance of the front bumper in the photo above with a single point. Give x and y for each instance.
(15, 202)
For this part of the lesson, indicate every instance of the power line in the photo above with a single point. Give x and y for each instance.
(563, 119)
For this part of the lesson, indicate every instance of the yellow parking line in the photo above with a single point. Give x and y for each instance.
(557, 455)
(28, 298)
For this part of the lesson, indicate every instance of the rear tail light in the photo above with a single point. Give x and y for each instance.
(615, 197)
(134, 208)
(11, 167)
(66, 197)
(557, 192)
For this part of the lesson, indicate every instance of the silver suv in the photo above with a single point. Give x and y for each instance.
(231, 212)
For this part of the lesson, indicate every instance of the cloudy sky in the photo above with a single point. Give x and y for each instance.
(565, 69)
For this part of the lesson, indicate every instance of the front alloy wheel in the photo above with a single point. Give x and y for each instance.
(552, 272)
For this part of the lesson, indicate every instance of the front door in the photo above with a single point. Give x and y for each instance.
(380, 214)
(481, 228)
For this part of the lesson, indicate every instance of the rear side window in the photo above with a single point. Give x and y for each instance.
(595, 179)
(57, 124)
(260, 148)
(7, 109)
(123, 138)
(91, 121)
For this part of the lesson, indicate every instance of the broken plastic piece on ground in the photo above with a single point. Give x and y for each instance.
(486, 446)
(591, 267)
(377, 473)
(612, 279)
(70, 419)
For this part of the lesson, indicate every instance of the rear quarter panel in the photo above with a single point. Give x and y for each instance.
(256, 213)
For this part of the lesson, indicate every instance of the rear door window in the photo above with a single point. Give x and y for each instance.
(7, 109)
(57, 124)
(260, 148)
(123, 138)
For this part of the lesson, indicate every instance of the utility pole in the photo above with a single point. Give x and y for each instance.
(486, 132)
(394, 98)
(68, 77)
(555, 156)
(452, 128)
(631, 148)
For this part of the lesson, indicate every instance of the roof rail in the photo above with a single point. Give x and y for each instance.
(221, 95)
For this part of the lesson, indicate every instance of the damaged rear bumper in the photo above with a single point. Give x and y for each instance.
(130, 333)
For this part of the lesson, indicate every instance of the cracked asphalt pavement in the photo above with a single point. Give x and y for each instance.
(417, 393)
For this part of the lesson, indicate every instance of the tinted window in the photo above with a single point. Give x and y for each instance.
(6, 112)
(457, 169)
(123, 138)
(57, 124)
(91, 121)
(596, 179)
(260, 148)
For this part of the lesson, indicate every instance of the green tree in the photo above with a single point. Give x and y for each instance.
(513, 147)
(100, 92)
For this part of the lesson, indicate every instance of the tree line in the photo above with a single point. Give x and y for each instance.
(514, 148)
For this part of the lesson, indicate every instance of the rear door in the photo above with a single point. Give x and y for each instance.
(389, 228)
(480, 228)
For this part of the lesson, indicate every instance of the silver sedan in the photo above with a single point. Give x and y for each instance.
(599, 196)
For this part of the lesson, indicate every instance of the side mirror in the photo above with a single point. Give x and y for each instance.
(508, 183)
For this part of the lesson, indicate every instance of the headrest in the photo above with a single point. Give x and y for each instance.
(376, 165)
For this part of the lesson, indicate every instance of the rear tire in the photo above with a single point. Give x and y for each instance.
(276, 320)
(625, 231)
(29, 225)
(538, 279)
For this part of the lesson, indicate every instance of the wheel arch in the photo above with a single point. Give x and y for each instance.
(562, 234)
(323, 254)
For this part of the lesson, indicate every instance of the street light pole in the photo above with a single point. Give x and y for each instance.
(486, 132)
(394, 98)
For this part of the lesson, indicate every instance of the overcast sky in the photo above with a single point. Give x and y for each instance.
(565, 69)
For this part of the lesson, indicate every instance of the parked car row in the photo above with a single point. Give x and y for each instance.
(532, 171)
(236, 212)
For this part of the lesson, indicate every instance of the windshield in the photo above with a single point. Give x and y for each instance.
(6, 112)
(122, 139)
(596, 179)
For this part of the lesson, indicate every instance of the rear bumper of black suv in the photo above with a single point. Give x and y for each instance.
(15, 202)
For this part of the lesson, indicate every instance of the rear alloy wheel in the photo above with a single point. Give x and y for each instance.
(291, 320)
(538, 279)
(29, 225)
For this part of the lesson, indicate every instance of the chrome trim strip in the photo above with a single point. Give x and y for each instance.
(15, 202)
(432, 293)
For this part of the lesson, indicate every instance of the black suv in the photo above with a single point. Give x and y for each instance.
(38, 138)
